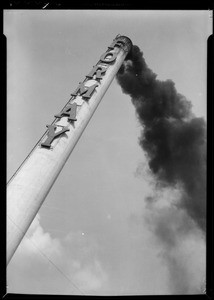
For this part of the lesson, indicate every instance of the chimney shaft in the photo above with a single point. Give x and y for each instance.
(31, 183)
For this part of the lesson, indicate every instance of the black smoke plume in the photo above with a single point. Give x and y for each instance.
(173, 139)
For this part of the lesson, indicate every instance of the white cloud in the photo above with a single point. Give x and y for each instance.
(43, 264)
(90, 277)
(37, 238)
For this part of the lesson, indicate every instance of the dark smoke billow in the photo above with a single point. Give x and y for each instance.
(172, 137)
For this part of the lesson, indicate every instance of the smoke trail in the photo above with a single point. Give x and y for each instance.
(174, 141)
(180, 244)
(172, 137)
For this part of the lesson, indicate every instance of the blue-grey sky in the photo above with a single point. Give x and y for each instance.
(93, 225)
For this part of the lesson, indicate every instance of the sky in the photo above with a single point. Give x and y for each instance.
(94, 233)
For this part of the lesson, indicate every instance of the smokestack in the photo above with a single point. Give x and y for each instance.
(28, 187)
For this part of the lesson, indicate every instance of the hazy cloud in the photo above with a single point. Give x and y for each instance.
(181, 245)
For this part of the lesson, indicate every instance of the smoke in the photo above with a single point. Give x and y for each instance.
(180, 243)
(172, 137)
(174, 141)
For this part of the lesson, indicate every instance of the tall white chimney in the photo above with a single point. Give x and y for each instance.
(28, 187)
